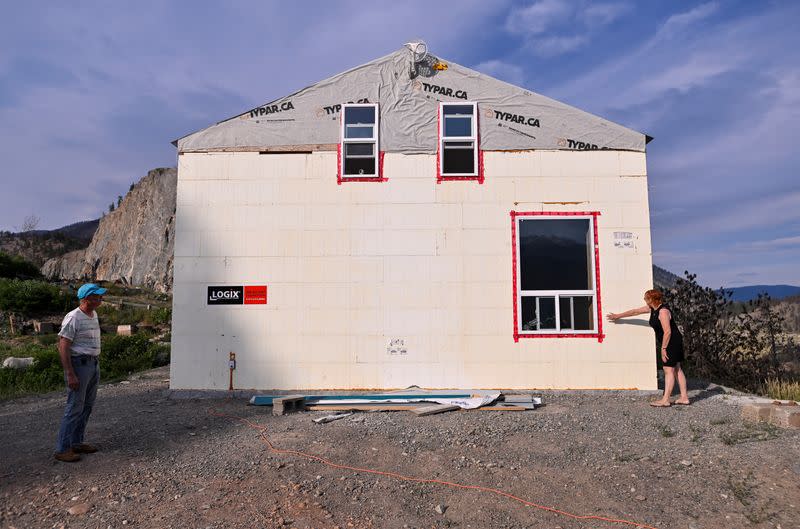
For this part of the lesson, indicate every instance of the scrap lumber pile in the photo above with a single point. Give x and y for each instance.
(420, 404)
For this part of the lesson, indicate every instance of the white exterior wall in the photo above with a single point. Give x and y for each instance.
(350, 267)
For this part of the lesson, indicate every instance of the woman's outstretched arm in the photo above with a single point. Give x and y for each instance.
(633, 312)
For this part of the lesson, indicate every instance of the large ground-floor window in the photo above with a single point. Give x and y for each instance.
(556, 288)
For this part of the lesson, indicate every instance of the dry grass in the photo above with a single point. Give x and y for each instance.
(750, 433)
(782, 389)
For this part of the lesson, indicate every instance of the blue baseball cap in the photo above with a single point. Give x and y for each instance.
(90, 288)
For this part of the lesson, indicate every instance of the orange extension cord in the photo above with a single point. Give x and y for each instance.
(262, 432)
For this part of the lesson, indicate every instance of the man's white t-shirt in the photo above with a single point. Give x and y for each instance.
(83, 331)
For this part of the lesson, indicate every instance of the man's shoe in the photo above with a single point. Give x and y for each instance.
(67, 457)
(84, 448)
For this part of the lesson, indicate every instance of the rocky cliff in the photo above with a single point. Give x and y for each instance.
(133, 244)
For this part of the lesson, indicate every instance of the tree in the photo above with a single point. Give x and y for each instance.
(111, 207)
(119, 200)
(737, 345)
(29, 223)
(131, 188)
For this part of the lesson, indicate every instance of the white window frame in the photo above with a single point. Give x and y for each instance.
(473, 138)
(374, 140)
(557, 294)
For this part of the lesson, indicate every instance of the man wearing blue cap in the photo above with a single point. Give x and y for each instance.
(79, 348)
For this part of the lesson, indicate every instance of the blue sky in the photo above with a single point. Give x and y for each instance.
(91, 94)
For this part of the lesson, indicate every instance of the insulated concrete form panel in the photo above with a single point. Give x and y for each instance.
(406, 281)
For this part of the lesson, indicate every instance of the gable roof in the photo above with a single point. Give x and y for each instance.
(509, 117)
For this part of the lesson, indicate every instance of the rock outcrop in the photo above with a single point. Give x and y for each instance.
(132, 245)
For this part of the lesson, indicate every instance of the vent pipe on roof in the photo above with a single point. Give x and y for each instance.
(419, 52)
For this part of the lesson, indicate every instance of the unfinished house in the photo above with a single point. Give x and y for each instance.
(411, 222)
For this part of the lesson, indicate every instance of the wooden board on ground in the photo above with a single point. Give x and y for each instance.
(434, 409)
(405, 407)
(517, 398)
(362, 407)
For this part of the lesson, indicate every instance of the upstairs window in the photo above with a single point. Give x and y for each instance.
(458, 140)
(359, 149)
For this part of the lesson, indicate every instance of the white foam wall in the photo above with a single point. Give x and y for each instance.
(350, 267)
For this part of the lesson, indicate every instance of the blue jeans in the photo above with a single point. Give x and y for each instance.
(79, 402)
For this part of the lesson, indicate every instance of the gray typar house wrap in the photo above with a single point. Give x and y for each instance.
(408, 93)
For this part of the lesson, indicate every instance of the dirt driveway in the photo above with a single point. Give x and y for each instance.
(167, 462)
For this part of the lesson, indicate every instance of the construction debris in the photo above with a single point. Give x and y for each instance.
(433, 410)
(421, 404)
(785, 415)
(288, 404)
(331, 418)
(266, 400)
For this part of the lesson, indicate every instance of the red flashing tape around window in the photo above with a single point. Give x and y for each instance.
(600, 335)
(480, 163)
(339, 164)
(515, 214)
(514, 271)
(438, 145)
(478, 144)
(594, 214)
(439, 177)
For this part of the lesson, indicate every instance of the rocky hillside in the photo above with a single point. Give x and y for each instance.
(38, 246)
(82, 231)
(663, 278)
(132, 245)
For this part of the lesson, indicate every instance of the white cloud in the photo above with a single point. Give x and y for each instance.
(697, 70)
(555, 27)
(504, 71)
(749, 213)
(677, 23)
(538, 17)
(604, 14)
(552, 46)
(628, 79)
(792, 243)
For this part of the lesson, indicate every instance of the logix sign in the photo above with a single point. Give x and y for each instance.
(238, 295)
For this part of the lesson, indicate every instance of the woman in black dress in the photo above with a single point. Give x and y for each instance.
(670, 343)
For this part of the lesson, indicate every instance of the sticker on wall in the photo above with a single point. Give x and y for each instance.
(237, 295)
(255, 295)
(223, 295)
(397, 346)
(624, 239)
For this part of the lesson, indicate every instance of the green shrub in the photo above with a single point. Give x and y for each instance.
(738, 345)
(122, 355)
(160, 316)
(33, 297)
(119, 357)
(46, 373)
(111, 315)
(15, 267)
(47, 339)
(161, 354)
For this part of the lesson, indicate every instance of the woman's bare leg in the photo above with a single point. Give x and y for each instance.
(669, 384)
(684, 398)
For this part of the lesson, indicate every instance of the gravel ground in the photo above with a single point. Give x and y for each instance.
(166, 462)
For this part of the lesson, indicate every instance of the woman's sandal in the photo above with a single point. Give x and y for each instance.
(658, 404)
(681, 403)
